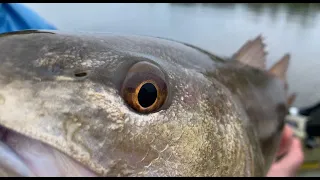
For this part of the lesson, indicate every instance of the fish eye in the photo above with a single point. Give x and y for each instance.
(144, 88)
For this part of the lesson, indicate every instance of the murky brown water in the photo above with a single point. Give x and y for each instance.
(219, 28)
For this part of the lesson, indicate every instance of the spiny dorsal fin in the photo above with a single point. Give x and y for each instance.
(291, 99)
(280, 68)
(252, 53)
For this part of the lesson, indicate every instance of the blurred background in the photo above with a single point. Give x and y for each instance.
(218, 28)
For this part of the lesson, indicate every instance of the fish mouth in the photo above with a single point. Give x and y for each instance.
(26, 157)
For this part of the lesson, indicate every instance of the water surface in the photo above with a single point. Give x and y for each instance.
(218, 28)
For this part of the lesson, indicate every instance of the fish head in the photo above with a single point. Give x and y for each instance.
(85, 105)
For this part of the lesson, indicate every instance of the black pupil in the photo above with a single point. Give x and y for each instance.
(147, 95)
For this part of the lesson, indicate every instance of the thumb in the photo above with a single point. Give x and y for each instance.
(286, 140)
(292, 161)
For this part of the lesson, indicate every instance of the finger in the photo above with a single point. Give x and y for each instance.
(286, 140)
(290, 163)
(295, 152)
(293, 159)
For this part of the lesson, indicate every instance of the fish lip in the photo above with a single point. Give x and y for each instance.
(24, 167)
(5, 164)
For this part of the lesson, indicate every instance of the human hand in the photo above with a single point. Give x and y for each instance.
(293, 159)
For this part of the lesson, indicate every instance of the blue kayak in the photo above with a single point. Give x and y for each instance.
(15, 17)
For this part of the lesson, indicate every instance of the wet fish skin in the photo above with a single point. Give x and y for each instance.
(221, 118)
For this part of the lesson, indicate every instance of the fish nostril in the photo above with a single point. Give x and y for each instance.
(80, 74)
